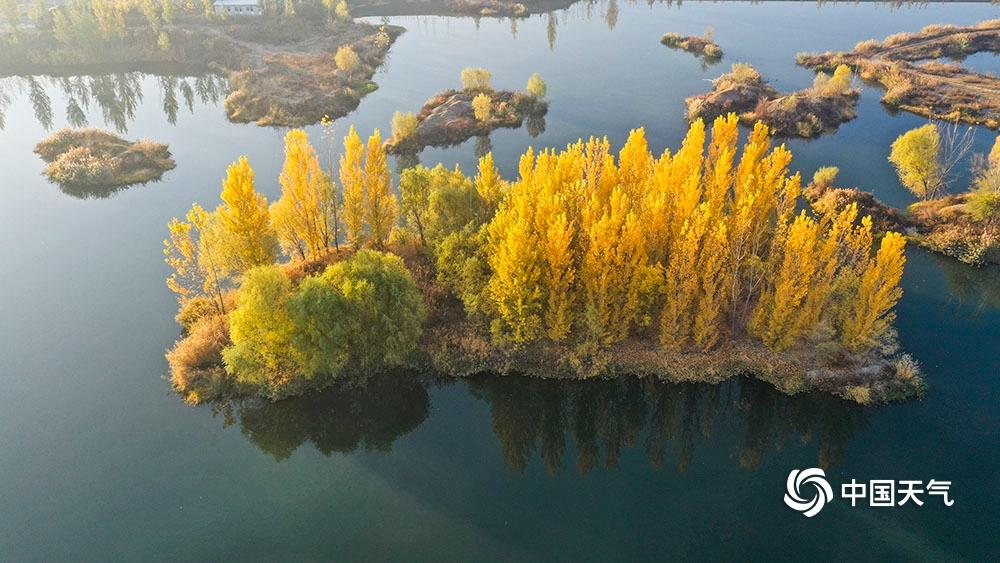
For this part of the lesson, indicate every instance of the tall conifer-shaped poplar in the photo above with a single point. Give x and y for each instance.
(515, 286)
(352, 178)
(682, 285)
(303, 216)
(249, 238)
(380, 211)
(489, 184)
(777, 318)
(878, 293)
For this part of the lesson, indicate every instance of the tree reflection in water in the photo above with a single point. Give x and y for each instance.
(603, 417)
(371, 415)
(117, 95)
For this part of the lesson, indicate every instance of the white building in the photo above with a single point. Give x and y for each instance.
(238, 7)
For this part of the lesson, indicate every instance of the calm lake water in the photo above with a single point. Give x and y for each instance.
(99, 459)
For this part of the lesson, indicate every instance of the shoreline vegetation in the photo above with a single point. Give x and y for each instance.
(906, 66)
(702, 47)
(289, 67)
(806, 113)
(94, 162)
(455, 116)
(965, 226)
(690, 266)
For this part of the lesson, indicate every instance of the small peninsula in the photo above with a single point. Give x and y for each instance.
(92, 160)
(907, 66)
(455, 116)
(589, 264)
(806, 113)
(703, 47)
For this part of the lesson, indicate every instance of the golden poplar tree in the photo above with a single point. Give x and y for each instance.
(380, 208)
(197, 256)
(515, 286)
(777, 317)
(352, 179)
(248, 236)
(489, 184)
(711, 306)
(878, 293)
(681, 285)
(303, 216)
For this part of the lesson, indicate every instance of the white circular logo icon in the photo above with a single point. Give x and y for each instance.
(798, 480)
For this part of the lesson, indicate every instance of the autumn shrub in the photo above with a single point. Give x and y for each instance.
(937, 28)
(404, 125)
(482, 107)
(536, 86)
(193, 310)
(861, 394)
(195, 360)
(346, 58)
(898, 86)
(477, 79)
(867, 46)
(80, 166)
(825, 177)
(836, 84)
(907, 367)
(896, 39)
(712, 51)
(739, 74)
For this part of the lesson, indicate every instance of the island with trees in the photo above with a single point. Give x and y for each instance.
(455, 116)
(98, 162)
(965, 225)
(694, 265)
(906, 66)
(807, 113)
(291, 66)
(704, 47)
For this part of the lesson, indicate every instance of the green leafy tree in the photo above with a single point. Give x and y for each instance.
(915, 155)
(261, 329)
(320, 315)
(384, 309)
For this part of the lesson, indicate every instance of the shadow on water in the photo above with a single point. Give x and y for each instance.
(602, 418)
(116, 95)
(342, 419)
(97, 192)
(595, 420)
(978, 287)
